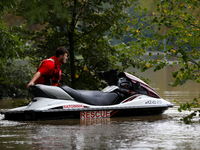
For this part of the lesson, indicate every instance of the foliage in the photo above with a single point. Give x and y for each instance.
(190, 107)
(181, 19)
(141, 29)
(10, 43)
(13, 45)
(14, 79)
(176, 38)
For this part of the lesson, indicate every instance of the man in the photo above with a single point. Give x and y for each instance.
(49, 71)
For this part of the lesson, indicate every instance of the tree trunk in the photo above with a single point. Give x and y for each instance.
(72, 62)
(71, 45)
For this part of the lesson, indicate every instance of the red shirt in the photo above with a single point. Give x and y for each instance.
(47, 67)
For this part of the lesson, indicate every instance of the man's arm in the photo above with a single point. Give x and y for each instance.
(35, 77)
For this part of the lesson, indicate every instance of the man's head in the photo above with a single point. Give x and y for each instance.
(61, 54)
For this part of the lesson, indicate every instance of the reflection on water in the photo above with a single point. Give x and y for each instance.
(147, 132)
(94, 121)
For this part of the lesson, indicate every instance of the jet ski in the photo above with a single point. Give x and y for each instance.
(125, 96)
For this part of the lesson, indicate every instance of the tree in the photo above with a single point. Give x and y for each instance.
(9, 43)
(176, 26)
(80, 26)
(12, 46)
(181, 20)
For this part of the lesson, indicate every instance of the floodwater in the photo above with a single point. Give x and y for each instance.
(164, 131)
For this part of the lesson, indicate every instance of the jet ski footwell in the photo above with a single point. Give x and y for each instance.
(84, 113)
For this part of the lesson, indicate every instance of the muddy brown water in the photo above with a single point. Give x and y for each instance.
(164, 131)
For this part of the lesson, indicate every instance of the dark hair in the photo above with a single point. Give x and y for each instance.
(61, 51)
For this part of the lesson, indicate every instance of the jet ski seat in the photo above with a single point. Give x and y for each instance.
(91, 97)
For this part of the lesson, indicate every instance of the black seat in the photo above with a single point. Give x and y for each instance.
(91, 97)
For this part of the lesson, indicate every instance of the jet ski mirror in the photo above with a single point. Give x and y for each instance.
(138, 85)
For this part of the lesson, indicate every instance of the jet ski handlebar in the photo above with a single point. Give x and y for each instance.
(126, 92)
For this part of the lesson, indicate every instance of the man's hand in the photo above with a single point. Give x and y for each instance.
(35, 77)
(30, 83)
